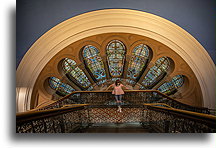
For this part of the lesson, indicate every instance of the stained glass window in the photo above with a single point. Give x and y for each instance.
(138, 61)
(178, 81)
(114, 79)
(156, 72)
(101, 82)
(94, 62)
(73, 70)
(54, 82)
(130, 81)
(90, 88)
(167, 88)
(62, 88)
(115, 57)
(172, 86)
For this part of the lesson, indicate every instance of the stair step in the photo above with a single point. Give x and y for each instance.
(117, 128)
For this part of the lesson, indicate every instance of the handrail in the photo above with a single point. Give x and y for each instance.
(32, 115)
(126, 91)
(35, 115)
(65, 97)
(155, 104)
(73, 117)
(210, 119)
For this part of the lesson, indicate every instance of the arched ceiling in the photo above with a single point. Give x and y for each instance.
(120, 21)
(34, 18)
(189, 94)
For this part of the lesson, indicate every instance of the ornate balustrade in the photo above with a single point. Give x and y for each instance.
(73, 118)
(131, 97)
(60, 120)
(171, 120)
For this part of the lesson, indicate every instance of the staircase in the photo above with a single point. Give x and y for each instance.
(116, 128)
(97, 113)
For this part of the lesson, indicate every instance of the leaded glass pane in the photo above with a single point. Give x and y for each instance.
(68, 65)
(178, 81)
(172, 86)
(142, 87)
(57, 85)
(54, 82)
(138, 61)
(73, 70)
(167, 88)
(114, 79)
(94, 62)
(90, 88)
(162, 63)
(115, 57)
(156, 71)
(101, 82)
(130, 81)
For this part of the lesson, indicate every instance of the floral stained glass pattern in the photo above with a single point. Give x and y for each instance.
(94, 62)
(57, 85)
(70, 67)
(161, 66)
(172, 86)
(138, 61)
(115, 57)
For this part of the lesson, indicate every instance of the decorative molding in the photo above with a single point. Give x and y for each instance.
(119, 21)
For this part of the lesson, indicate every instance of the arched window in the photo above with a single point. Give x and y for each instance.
(94, 62)
(156, 73)
(178, 81)
(70, 68)
(131, 81)
(61, 88)
(138, 61)
(167, 88)
(171, 87)
(115, 57)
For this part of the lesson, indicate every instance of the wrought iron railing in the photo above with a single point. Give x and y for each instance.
(170, 120)
(147, 107)
(59, 120)
(131, 97)
(74, 118)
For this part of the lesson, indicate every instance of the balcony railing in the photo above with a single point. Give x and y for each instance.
(170, 120)
(74, 118)
(149, 108)
(58, 120)
(131, 97)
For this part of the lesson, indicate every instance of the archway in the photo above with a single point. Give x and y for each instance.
(109, 21)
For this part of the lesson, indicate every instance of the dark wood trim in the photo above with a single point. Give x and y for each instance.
(35, 115)
(126, 91)
(201, 117)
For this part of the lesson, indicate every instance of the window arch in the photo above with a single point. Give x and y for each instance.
(94, 62)
(167, 88)
(115, 56)
(138, 61)
(60, 88)
(156, 73)
(178, 81)
(171, 87)
(72, 70)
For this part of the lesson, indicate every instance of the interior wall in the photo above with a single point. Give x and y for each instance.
(120, 20)
(190, 94)
(36, 17)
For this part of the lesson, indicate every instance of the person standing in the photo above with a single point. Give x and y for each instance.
(118, 92)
